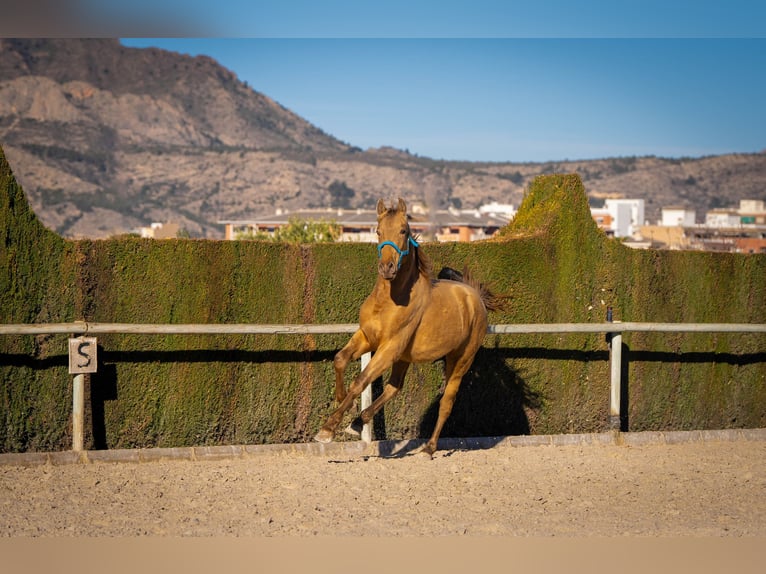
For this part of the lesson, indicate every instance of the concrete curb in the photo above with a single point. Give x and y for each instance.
(377, 448)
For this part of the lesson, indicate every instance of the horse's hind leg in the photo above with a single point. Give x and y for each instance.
(394, 384)
(357, 346)
(455, 368)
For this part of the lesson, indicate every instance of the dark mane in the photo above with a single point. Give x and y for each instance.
(424, 263)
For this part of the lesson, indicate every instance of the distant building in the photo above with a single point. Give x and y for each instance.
(664, 237)
(749, 212)
(752, 211)
(752, 206)
(603, 219)
(723, 218)
(740, 230)
(627, 215)
(160, 231)
(459, 225)
(356, 225)
(751, 239)
(495, 209)
(360, 225)
(674, 216)
(620, 217)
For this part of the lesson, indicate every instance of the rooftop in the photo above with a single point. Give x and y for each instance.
(369, 218)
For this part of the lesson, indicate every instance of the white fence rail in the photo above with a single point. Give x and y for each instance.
(613, 329)
(90, 328)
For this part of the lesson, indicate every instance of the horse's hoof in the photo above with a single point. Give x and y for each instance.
(424, 452)
(323, 436)
(355, 428)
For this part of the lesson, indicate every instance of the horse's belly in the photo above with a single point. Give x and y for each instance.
(421, 354)
(433, 341)
(449, 322)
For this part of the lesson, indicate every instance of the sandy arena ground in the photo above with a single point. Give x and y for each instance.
(698, 488)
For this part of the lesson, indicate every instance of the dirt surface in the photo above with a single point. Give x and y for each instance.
(706, 488)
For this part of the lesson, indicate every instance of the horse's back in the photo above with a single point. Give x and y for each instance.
(460, 300)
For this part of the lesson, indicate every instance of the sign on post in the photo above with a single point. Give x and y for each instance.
(82, 360)
(82, 355)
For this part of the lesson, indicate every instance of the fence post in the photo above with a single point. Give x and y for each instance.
(83, 358)
(615, 374)
(78, 412)
(615, 361)
(366, 401)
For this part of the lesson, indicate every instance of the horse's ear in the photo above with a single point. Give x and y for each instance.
(402, 206)
(381, 207)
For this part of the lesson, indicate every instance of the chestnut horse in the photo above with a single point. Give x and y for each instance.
(409, 318)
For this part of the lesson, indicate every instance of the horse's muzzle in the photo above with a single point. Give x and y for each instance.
(387, 269)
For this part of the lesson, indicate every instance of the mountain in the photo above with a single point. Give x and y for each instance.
(105, 138)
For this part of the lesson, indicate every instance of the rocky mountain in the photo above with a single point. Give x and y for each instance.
(105, 138)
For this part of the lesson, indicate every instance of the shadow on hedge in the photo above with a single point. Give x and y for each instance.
(491, 401)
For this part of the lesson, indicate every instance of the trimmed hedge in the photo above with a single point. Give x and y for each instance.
(181, 390)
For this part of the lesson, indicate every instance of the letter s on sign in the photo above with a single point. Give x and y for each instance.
(82, 355)
(86, 356)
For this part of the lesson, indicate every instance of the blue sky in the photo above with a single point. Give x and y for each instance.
(493, 80)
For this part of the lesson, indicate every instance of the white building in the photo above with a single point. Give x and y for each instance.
(722, 218)
(752, 211)
(498, 210)
(627, 215)
(159, 230)
(748, 206)
(678, 216)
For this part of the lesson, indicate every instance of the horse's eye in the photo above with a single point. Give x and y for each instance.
(403, 232)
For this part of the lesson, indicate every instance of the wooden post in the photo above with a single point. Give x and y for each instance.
(366, 401)
(78, 412)
(615, 365)
(83, 358)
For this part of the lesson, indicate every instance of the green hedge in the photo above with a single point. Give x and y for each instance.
(181, 390)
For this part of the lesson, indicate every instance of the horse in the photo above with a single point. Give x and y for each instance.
(410, 317)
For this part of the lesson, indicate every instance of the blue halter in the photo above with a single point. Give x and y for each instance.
(410, 241)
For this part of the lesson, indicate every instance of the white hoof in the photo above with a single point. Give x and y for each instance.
(323, 436)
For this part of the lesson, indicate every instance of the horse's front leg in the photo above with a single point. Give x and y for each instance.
(381, 360)
(392, 387)
(357, 346)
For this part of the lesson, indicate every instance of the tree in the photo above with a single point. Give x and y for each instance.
(300, 231)
(309, 231)
(340, 194)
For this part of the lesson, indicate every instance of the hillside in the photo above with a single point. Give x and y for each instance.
(105, 138)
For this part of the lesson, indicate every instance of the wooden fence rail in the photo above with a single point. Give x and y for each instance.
(613, 330)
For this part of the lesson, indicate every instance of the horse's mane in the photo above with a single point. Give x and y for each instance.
(424, 263)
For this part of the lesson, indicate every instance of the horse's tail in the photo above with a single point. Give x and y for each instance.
(492, 301)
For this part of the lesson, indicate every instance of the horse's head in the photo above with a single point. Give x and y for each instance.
(394, 238)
